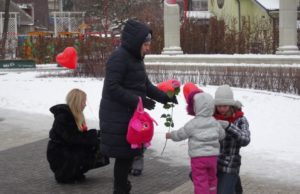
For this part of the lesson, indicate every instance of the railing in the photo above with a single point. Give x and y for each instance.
(285, 78)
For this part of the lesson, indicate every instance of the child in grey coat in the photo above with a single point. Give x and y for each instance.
(203, 133)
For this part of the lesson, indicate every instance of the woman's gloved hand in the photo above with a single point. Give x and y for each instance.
(172, 99)
(148, 103)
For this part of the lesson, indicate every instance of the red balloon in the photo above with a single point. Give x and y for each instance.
(68, 58)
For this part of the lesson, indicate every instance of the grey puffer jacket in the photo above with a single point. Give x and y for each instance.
(203, 131)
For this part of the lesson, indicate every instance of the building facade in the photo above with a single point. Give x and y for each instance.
(235, 12)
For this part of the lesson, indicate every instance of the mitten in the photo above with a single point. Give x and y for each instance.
(224, 124)
(148, 103)
(98, 133)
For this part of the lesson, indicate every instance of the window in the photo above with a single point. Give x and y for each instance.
(28, 8)
(199, 5)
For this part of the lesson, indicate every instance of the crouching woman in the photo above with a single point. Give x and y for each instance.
(72, 148)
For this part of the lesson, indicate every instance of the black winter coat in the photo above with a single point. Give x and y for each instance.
(125, 81)
(70, 152)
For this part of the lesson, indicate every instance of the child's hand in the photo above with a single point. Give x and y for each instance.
(224, 124)
(168, 135)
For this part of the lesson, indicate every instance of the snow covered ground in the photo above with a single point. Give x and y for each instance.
(274, 120)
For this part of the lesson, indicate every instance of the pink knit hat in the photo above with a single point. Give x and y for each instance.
(189, 91)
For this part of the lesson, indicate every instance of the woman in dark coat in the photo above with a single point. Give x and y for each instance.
(125, 81)
(71, 148)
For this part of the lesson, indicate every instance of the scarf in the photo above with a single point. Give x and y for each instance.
(230, 119)
(84, 127)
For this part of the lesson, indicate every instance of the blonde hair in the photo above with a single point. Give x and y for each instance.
(74, 100)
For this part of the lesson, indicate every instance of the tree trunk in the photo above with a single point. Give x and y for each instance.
(5, 28)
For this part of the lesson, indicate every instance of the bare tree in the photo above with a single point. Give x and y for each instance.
(5, 28)
(111, 10)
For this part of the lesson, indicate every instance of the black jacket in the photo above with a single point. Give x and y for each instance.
(125, 81)
(69, 149)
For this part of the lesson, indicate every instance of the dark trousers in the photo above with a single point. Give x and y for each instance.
(227, 183)
(238, 186)
(121, 169)
(138, 163)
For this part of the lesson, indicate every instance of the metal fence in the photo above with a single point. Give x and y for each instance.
(67, 21)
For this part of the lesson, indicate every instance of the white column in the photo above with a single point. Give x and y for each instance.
(69, 22)
(288, 28)
(171, 29)
(60, 6)
(1, 24)
(55, 25)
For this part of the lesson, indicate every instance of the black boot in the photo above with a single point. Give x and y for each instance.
(80, 178)
(121, 191)
(191, 177)
(118, 192)
(136, 172)
(129, 186)
(65, 181)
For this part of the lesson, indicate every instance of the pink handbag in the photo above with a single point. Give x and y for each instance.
(140, 127)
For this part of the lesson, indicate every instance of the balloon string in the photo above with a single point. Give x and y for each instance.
(68, 58)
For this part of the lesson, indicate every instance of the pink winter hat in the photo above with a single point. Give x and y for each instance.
(189, 91)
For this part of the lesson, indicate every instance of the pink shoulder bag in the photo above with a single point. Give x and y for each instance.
(140, 127)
